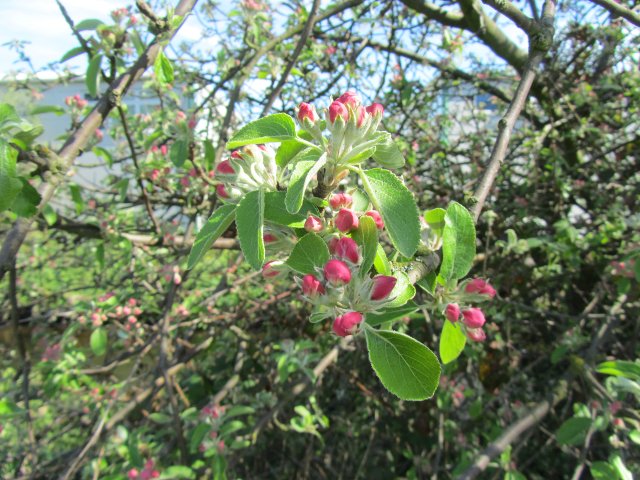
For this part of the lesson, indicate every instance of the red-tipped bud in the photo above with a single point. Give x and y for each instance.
(350, 98)
(164, 149)
(376, 218)
(479, 286)
(337, 109)
(311, 286)
(347, 249)
(225, 168)
(346, 220)
(346, 324)
(473, 318)
(221, 191)
(313, 224)
(308, 111)
(340, 200)
(236, 154)
(333, 245)
(382, 286)
(269, 238)
(270, 270)
(375, 109)
(476, 334)
(337, 272)
(452, 312)
(360, 115)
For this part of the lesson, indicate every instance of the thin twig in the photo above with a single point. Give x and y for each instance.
(620, 10)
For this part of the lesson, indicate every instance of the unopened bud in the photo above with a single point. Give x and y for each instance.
(340, 200)
(375, 109)
(347, 323)
(481, 287)
(221, 191)
(350, 98)
(347, 249)
(476, 334)
(382, 286)
(337, 272)
(313, 224)
(311, 286)
(452, 312)
(337, 109)
(307, 111)
(270, 269)
(346, 220)
(473, 318)
(376, 218)
(225, 168)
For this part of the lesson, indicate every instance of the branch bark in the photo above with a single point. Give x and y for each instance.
(619, 10)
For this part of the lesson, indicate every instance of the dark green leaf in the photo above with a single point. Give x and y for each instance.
(179, 152)
(10, 186)
(573, 431)
(275, 210)
(311, 252)
(458, 243)
(209, 155)
(389, 314)
(27, 201)
(367, 237)
(74, 52)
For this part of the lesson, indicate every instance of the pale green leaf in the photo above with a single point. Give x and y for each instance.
(458, 243)
(217, 224)
(249, 221)
(308, 164)
(98, 342)
(366, 236)
(452, 342)
(92, 78)
(278, 127)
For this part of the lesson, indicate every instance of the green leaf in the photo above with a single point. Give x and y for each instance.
(573, 431)
(308, 164)
(272, 128)
(406, 367)
(179, 152)
(396, 205)
(74, 52)
(436, 220)
(249, 220)
(197, 435)
(209, 155)
(88, 24)
(603, 471)
(402, 292)
(381, 262)
(103, 153)
(389, 314)
(367, 237)
(163, 69)
(49, 214)
(9, 185)
(620, 368)
(76, 196)
(98, 342)
(275, 210)
(634, 435)
(161, 418)
(92, 78)
(310, 252)
(177, 471)
(217, 224)
(621, 469)
(458, 243)
(388, 154)
(27, 201)
(452, 342)
(428, 283)
(231, 427)
(47, 109)
(287, 151)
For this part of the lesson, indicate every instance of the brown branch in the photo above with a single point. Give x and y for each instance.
(513, 13)
(82, 134)
(540, 40)
(619, 10)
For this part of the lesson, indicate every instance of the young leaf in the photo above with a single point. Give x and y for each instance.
(435, 219)
(573, 431)
(367, 237)
(209, 155)
(217, 224)
(249, 220)
(275, 210)
(406, 367)
(98, 342)
(74, 52)
(310, 252)
(381, 262)
(287, 151)
(163, 69)
(27, 201)
(308, 165)
(49, 214)
(10, 186)
(55, 109)
(452, 342)
(179, 152)
(458, 243)
(388, 154)
(76, 196)
(88, 24)
(272, 128)
(389, 314)
(396, 205)
(92, 79)
(402, 292)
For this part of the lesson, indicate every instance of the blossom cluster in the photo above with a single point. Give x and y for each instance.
(248, 169)
(473, 318)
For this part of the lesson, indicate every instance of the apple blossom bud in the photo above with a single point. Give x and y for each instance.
(164, 149)
(341, 200)
(192, 123)
(311, 286)
(375, 109)
(350, 98)
(333, 244)
(346, 324)
(337, 109)
(132, 474)
(382, 286)
(473, 318)
(269, 238)
(376, 218)
(476, 334)
(269, 270)
(337, 272)
(225, 168)
(221, 191)
(346, 248)
(481, 287)
(452, 312)
(236, 154)
(313, 224)
(360, 116)
(307, 111)
(346, 220)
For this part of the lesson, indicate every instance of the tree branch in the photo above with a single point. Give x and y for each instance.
(512, 12)
(619, 10)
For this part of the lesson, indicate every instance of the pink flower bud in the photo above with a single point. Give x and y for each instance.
(269, 238)
(340, 200)
(376, 218)
(225, 168)
(337, 109)
(452, 312)
(375, 109)
(236, 154)
(313, 224)
(473, 318)
(476, 334)
(382, 286)
(311, 286)
(269, 270)
(184, 181)
(192, 123)
(164, 149)
(333, 244)
(307, 111)
(346, 248)
(132, 474)
(221, 191)
(337, 272)
(346, 220)
(360, 116)
(346, 324)
(350, 98)
(479, 286)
